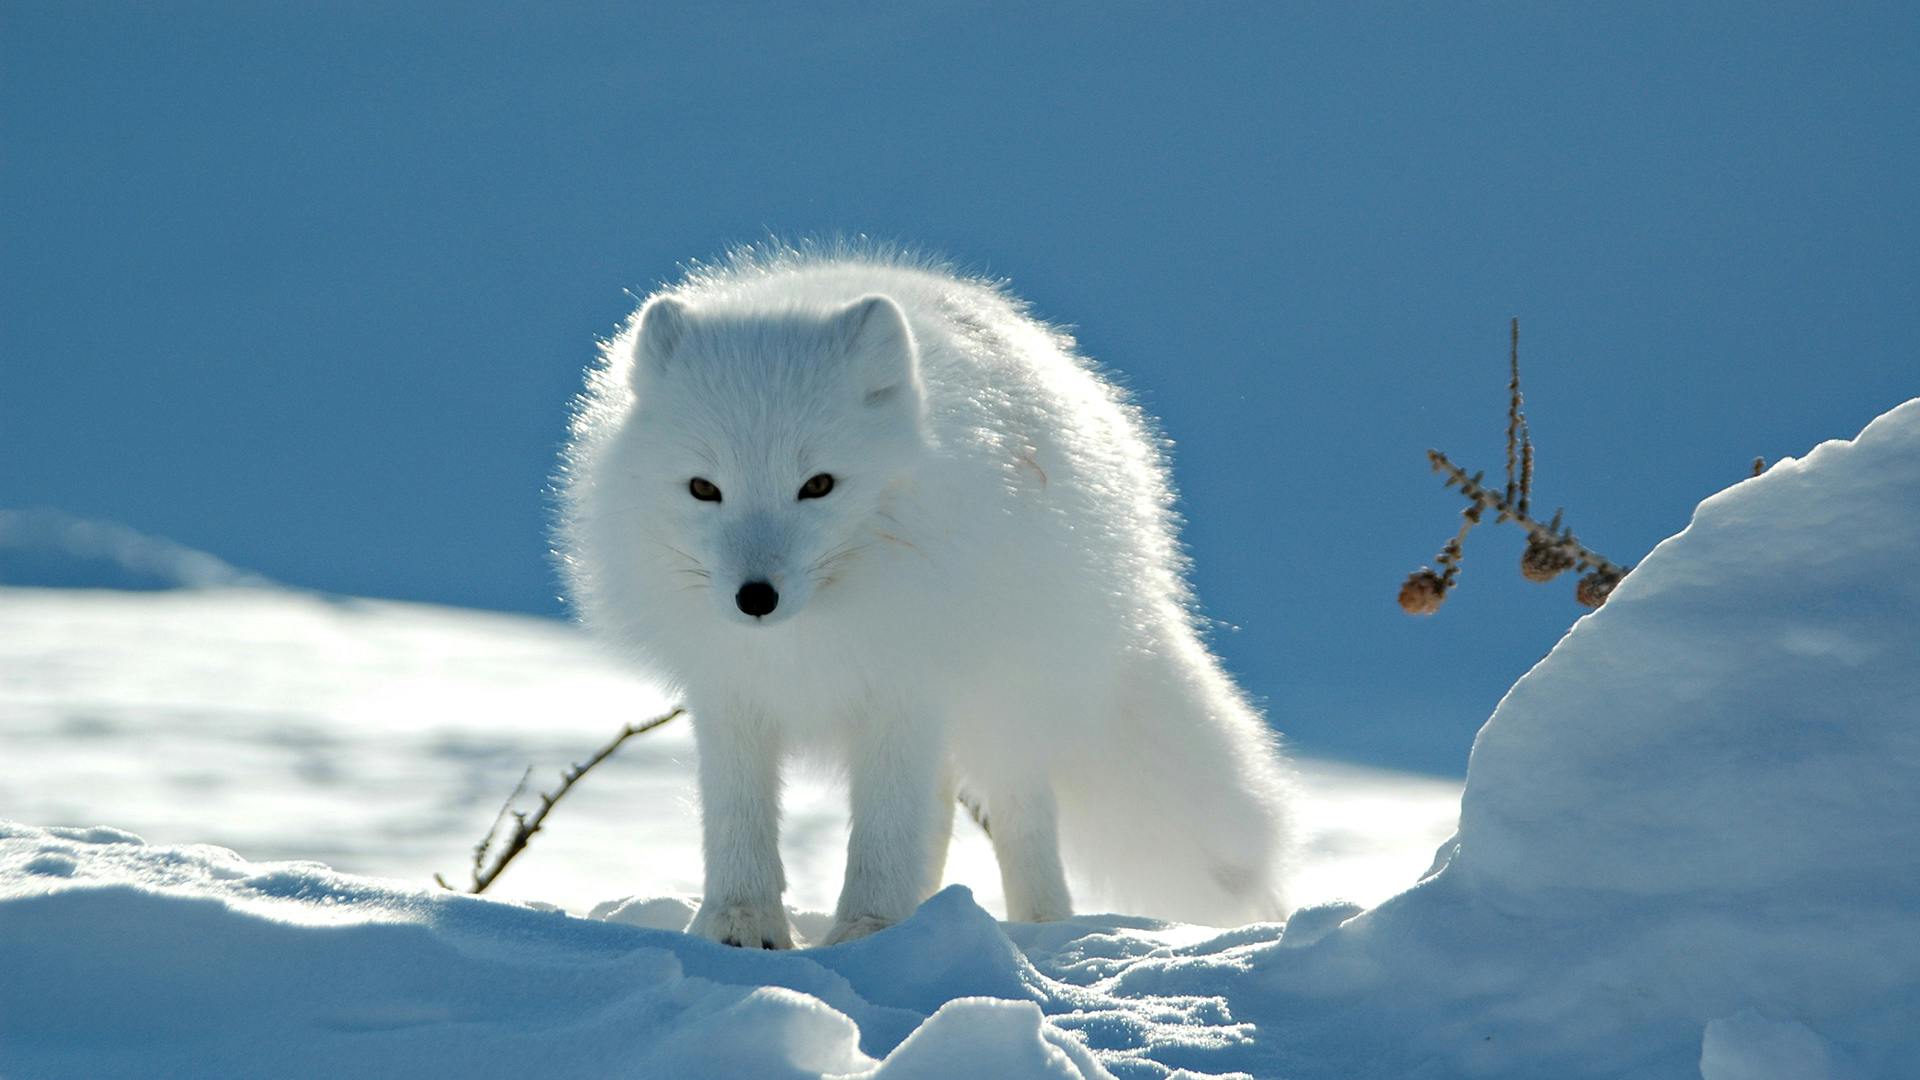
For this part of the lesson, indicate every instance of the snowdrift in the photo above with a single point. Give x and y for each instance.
(1689, 846)
(129, 960)
(1690, 837)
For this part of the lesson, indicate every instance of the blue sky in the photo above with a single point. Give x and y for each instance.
(309, 286)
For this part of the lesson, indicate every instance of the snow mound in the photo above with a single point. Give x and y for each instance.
(129, 959)
(1702, 806)
(1689, 846)
(1720, 770)
(48, 547)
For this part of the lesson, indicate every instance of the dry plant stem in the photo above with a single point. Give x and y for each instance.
(1551, 548)
(525, 824)
(1551, 535)
(486, 842)
(1451, 555)
(1519, 490)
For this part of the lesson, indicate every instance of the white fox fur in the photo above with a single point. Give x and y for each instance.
(990, 599)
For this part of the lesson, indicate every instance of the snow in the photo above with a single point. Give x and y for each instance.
(1689, 845)
(1748, 1046)
(47, 547)
(380, 738)
(135, 959)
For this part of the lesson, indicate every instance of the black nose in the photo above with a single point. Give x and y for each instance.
(757, 598)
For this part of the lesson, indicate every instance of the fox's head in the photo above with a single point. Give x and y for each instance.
(767, 444)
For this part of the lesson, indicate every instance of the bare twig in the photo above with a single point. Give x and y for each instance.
(1517, 435)
(1526, 433)
(493, 830)
(1551, 547)
(1552, 535)
(525, 824)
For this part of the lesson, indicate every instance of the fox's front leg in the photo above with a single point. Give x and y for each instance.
(896, 771)
(740, 832)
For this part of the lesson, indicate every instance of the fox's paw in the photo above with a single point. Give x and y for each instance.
(748, 925)
(854, 927)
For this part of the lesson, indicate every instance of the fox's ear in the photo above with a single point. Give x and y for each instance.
(880, 345)
(662, 323)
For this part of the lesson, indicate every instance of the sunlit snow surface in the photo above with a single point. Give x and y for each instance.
(1689, 846)
(381, 738)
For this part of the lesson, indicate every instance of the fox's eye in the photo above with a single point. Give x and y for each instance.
(817, 485)
(703, 489)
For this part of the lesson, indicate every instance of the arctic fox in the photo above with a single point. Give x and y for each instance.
(852, 504)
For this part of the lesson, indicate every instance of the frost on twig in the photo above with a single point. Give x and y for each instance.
(490, 858)
(1552, 549)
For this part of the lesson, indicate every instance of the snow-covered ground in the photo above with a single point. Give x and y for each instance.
(380, 738)
(1689, 844)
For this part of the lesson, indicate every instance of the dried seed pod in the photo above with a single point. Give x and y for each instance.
(1423, 592)
(1544, 562)
(1594, 588)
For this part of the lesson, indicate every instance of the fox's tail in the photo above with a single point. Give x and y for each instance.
(1184, 813)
